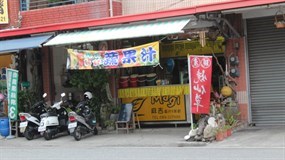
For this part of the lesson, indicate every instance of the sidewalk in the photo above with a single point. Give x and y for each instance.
(255, 137)
(250, 137)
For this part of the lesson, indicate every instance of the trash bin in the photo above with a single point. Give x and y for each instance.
(4, 126)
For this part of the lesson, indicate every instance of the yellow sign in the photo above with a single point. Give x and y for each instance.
(183, 48)
(5, 60)
(4, 12)
(162, 90)
(159, 108)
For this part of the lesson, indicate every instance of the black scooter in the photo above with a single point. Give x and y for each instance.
(83, 121)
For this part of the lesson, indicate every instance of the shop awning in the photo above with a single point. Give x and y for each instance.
(22, 43)
(151, 28)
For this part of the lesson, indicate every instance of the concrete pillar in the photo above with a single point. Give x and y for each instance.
(47, 69)
(241, 87)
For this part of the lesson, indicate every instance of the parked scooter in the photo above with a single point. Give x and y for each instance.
(54, 121)
(31, 121)
(83, 121)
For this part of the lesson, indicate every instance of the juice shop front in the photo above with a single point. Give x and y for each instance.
(160, 93)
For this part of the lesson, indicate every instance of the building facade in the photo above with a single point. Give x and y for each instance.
(244, 22)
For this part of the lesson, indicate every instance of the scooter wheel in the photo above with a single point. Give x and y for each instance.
(77, 134)
(29, 134)
(47, 135)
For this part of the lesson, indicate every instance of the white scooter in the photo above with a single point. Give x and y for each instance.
(31, 121)
(54, 121)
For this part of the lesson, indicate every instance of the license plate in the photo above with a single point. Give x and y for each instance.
(42, 126)
(23, 124)
(41, 129)
(71, 130)
(72, 125)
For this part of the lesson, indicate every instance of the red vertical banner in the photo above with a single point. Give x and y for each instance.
(200, 75)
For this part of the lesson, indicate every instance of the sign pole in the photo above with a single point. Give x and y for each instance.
(10, 131)
(189, 74)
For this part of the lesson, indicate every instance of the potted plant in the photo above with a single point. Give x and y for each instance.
(232, 119)
(110, 125)
(279, 19)
(228, 130)
(220, 134)
(116, 109)
(115, 112)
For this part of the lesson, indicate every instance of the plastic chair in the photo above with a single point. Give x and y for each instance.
(137, 120)
(125, 120)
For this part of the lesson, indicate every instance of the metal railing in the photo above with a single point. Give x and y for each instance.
(38, 4)
(128, 6)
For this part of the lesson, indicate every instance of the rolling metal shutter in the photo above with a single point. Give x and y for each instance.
(266, 47)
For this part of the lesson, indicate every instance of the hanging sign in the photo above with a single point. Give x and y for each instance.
(4, 12)
(12, 89)
(143, 55)
(200, 69)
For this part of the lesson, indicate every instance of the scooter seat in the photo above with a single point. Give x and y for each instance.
(48, 114)
(35, 115)
(51, 114)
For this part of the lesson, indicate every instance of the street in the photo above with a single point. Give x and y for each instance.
(140, 153)
(149, 144)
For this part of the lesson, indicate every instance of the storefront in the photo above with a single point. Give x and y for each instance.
(160, 94)
(159, 90)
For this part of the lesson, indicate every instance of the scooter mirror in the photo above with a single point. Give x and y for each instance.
(62, 94)
(44, 95)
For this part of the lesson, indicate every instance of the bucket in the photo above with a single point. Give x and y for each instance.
(134, 80)
(141, 80)
(124, 82)
(151, 79)
(4, 126)
(134, 77)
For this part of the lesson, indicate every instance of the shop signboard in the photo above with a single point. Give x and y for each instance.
(182, 48)
(4, 18)
(200, 69)
(6, 60)
(159, 108)
(143, 55)
(12, 89)
(162, 90)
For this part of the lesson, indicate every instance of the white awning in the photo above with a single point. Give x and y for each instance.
(151, 28)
